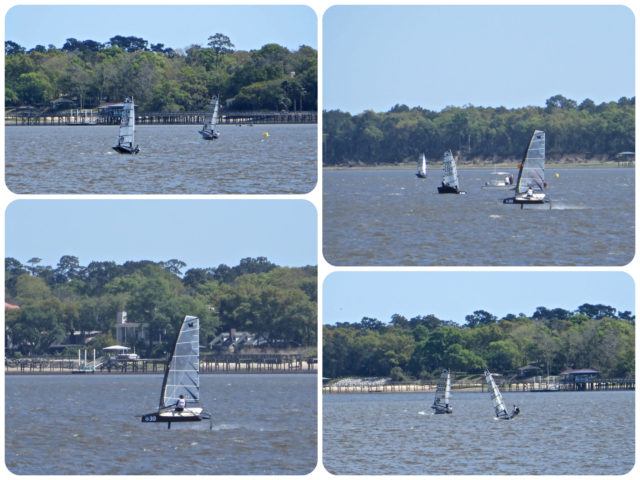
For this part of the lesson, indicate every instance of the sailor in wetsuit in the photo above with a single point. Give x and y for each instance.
(180, 404)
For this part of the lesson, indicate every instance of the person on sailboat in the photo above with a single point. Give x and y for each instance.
(529, 192)
(180, 404)
(516, 410)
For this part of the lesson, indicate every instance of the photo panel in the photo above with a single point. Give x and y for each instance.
(208, 305)
(520, 371)
(161, 99)
(479, 135)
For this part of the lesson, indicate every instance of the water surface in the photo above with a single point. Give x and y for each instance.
(560, 433)
(172, 160)
(73, 425)
(390, 217)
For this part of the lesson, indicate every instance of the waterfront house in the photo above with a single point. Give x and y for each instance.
(579, 379)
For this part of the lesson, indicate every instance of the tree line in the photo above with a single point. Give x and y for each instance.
(479, 134)
(553, 340)
(277, 303)
(161, 78)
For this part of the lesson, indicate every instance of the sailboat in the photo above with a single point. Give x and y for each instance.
(127, 129)
(450, 179)
(209, 131)
(181, 379)
(422, 167)
(443, 394)
(496, 398)
(530, 183)
(499, 181)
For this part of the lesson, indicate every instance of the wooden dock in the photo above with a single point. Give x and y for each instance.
(603, 384)
(91, 117)
(221, 364)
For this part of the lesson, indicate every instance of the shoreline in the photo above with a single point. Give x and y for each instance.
(130, 368)
(489, 166)
(596, 385)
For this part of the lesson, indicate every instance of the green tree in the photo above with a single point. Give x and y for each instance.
(35, 88)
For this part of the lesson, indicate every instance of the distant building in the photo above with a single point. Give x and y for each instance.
(110, 111)
(579, 378)
(74, 339)
(130, 332)
(229, 342)
(529, 371)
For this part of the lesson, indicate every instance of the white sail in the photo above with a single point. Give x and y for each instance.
(496, 397)
(211, 119)
(441, 403)
(127, 124)
(531, 175)
(450, 178)
(422, 166)
(182, 374)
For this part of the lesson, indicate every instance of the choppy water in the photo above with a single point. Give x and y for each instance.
(555, 434)
(390, 217)
(67, 425)
(172, 160)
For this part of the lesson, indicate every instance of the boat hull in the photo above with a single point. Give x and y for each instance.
(535, 199)
(421, 175)
(438, 409)
(126, 150)
(171, 416)
(209, 135)
(448, 189)
(510, 416)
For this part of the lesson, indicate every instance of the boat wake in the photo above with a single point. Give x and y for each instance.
(564, 206)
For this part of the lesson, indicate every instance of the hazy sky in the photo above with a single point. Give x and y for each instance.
(201, 233)
(177, 26)
(350, 296)
(433, 56)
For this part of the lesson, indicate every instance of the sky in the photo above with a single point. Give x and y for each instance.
(201, 233)
(350, 296)
(177, 26)
(436, 56)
